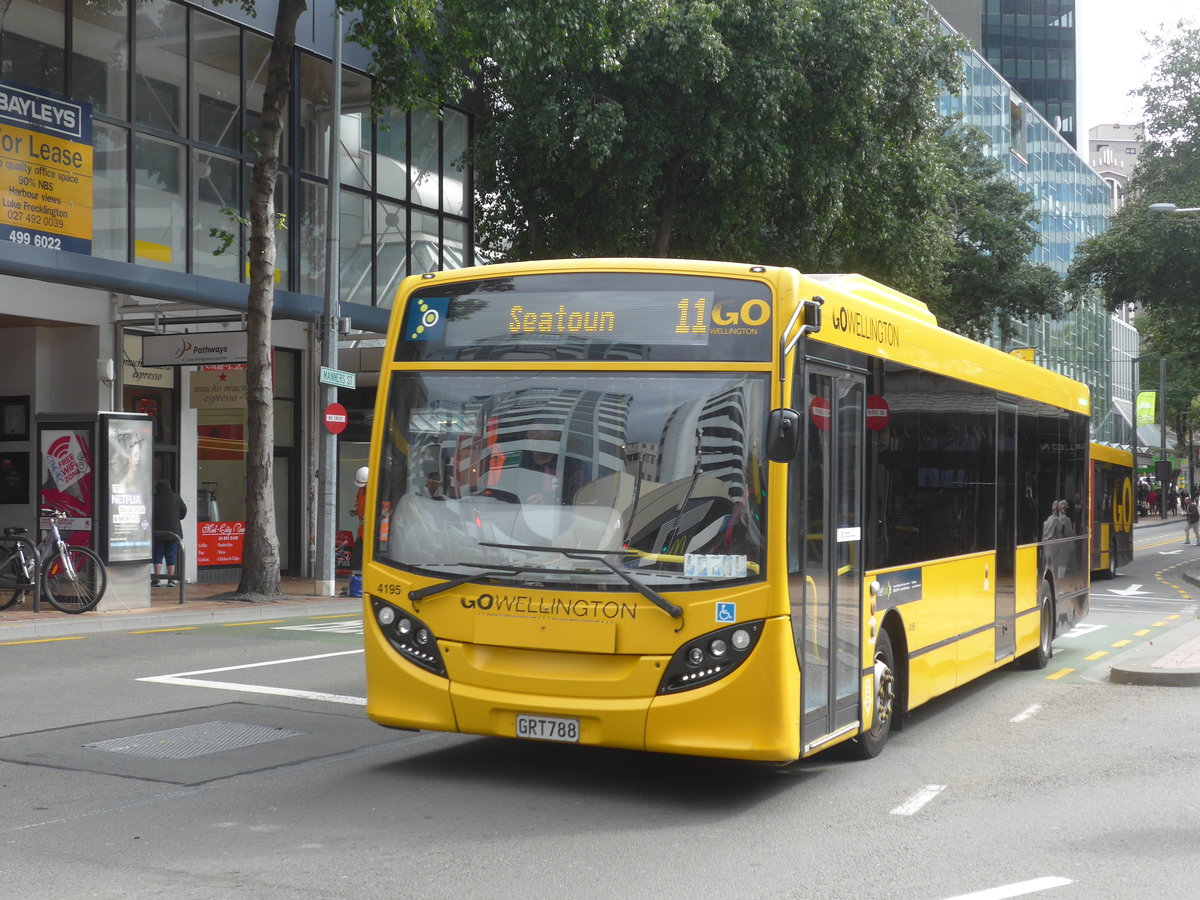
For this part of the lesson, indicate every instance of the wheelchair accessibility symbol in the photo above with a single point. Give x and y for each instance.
(726, 612)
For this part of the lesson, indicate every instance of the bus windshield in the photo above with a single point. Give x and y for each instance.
(562, 477)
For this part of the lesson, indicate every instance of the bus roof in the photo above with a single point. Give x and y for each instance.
(859, 313)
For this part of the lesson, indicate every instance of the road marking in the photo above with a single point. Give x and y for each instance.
(1059, 674)
(914, 803)
(1020, 889)
(354, 627)
(259, 622)
(1142, 632)
(1132, 590)
(1096, 655)
(164, 630)
(1022, 716)
(77, 637)
(1122, 643)
(1081, 629)
(185, 679)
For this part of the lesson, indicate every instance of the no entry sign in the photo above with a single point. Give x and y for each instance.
(335, 418)
(878, 413)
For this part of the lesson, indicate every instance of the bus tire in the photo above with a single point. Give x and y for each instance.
(870, 743)
(1041, 655)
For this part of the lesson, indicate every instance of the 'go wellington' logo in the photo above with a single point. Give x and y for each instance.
(427, 319)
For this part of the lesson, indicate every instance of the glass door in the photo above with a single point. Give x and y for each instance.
(825, 540)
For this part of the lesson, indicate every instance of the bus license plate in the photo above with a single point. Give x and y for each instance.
(548, 728)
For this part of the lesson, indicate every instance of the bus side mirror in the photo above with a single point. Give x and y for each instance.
(783, 435)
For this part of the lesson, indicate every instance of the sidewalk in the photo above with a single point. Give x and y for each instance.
(1172, 659)
(21, 623)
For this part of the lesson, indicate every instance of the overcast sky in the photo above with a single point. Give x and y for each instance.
(1110, 46)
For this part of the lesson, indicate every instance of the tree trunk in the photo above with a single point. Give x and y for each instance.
(668, 204)
(260, 551)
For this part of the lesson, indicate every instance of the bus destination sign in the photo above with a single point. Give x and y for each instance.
(710, 318)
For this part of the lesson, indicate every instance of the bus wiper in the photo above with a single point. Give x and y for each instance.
(675, 612)
(430, 589)
(697, 471)
(493, 569)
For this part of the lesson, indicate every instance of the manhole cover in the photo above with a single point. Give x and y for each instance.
(193, 740)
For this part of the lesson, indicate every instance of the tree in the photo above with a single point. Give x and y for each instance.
(798, 132)
(737, 128)
(988, 276)
(414, 67)
(1151, 261)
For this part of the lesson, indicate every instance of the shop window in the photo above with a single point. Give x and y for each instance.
(159, 213)
(161, 31)
(316, 82)
(100, 58)
(31, 48)
(216, 76)
(110, 192)
(217, 179)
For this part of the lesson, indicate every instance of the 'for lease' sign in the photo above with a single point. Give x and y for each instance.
(45, 170)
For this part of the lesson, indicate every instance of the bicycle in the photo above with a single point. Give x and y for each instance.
(73, 578)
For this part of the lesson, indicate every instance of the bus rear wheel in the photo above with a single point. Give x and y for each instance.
(1041, 655)
(870, 743)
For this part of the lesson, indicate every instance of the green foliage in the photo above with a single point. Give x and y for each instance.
(988, 274)
(1151, 261)
(798, 132)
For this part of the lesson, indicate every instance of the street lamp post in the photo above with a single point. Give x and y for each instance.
(1172, 208)
(1163, 469)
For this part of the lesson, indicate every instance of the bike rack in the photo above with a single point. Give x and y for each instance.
(180, 558)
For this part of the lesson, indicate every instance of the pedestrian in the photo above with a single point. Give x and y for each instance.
(168, 515)
(354, 589)
(1191, 521)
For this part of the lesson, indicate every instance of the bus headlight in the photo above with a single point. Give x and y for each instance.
(410, 637)
(709, 657)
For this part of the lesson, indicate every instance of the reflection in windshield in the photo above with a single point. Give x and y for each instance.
(663, 471)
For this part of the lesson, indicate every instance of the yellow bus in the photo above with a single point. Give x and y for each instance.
(1112, 509)
(706, 508)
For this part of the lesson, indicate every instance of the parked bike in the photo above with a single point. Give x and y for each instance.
(73, 578)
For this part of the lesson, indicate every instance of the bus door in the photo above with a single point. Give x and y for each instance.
(825, 558)
(1006, 529)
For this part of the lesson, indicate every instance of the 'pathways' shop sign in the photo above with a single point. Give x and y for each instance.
(45, 169)
(194, 348)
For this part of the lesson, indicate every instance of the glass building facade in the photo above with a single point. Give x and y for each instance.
(175, 93)
(1086, 344)
(172, 91)
(1031, 43)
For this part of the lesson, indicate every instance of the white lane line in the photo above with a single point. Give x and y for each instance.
(914, 803)
(1020, 889)
(1026, 714)
(186, 679)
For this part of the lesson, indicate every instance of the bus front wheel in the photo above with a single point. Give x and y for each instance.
(870, 743)
(1040, 656)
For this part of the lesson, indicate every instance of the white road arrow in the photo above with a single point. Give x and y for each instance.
(1132, 590)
